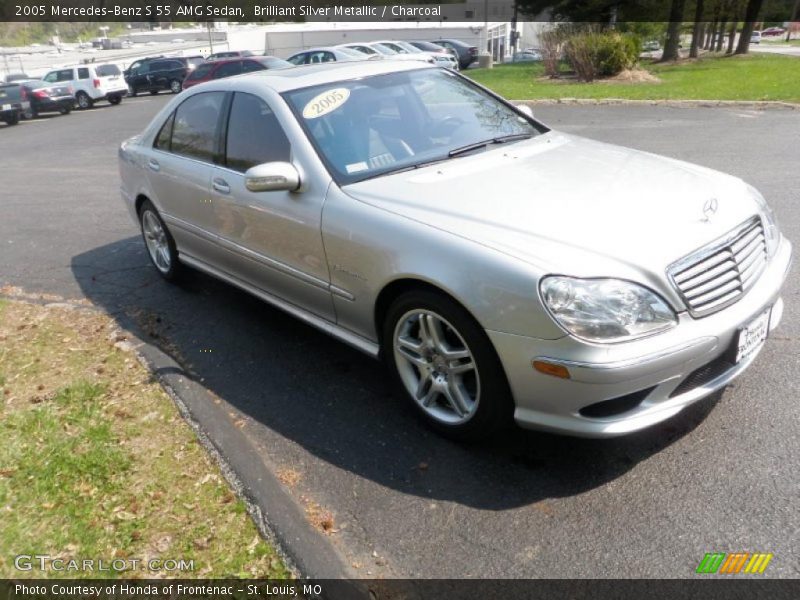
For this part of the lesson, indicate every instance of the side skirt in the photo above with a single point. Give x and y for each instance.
(348, 337)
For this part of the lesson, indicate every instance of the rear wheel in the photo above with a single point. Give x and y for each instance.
(114, 99)
(159, 242)
(12, 119)
(153, 92)
(175, 86)
(447, 366)
(65, 110)
(84, 101)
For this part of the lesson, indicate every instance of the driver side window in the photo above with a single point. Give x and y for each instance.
(255, 135)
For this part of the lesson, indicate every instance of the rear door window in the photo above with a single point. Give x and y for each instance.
(65, 75)
(194, 131)
(83, 73)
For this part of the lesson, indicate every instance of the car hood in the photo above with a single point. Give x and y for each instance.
(557, 199)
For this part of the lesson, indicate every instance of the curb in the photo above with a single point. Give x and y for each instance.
(278, 518)
(752, 104)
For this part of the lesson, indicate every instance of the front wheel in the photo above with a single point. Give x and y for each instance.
(159, 242)
(12, 119)
(65, 110)
(114, 99)
(447, 365)
(132, 91)
(175, 86)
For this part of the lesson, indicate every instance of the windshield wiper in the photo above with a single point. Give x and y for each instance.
(411, 167)
(498, 140)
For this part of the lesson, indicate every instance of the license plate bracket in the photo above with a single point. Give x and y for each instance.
(751, 336)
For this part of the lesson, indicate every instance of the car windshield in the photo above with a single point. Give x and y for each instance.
(201, 72)
(352, 52)
(272, 62)
(428, 46)
(408, 47)
(384, 49)
(377, 125)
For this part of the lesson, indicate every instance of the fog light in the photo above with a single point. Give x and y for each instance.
(551, 369)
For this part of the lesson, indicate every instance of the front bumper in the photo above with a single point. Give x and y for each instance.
(657, 367)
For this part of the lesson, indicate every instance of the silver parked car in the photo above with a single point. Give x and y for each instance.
(500, 268)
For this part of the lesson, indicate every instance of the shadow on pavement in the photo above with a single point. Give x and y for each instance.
(338, 404)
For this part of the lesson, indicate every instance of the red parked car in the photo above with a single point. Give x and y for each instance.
(228, 67)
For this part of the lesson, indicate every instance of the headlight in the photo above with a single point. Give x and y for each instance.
(605, 310)
(771, 231)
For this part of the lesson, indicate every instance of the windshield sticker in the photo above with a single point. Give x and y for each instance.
(325, 102)
(356, 167)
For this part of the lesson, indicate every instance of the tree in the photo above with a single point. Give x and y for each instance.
(795, 16)
(697, 32)
(750, 18)
(673, 31)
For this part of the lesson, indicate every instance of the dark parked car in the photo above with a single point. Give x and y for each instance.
(230, 54)
(466, 54)
(160, 73)
(233, 66)
(13, 100)
(12, 77)
(45, 97)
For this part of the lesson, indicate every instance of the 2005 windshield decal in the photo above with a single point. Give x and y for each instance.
(325, 102)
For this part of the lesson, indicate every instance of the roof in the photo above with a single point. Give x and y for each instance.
(283, 80)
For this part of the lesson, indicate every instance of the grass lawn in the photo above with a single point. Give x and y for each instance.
(96, 462)
(751, 77)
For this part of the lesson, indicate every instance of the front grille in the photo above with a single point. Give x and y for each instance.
(703, 375)
(717, 275)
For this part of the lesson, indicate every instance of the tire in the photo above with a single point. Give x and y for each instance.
(114, 100)
(159, 242)
(65, 110)
(12, 119)
(83, 100)
(153, 92)
(175, 86)
(132, 91)
(450, 372)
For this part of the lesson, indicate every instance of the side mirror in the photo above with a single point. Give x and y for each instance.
(525, 109)
(272, 177)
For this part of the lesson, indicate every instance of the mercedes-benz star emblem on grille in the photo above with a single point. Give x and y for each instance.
(709, 208)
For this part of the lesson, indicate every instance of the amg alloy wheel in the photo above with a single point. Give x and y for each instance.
(436, 366)
(447, 365)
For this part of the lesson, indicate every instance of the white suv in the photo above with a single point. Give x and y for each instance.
(91, 83)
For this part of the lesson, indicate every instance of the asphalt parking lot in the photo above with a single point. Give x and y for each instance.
(720, 477)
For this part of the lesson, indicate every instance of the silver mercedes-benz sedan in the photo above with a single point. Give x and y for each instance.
(502, 270)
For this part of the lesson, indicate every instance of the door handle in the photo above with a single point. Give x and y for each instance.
(221, 185)
(153, 164)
